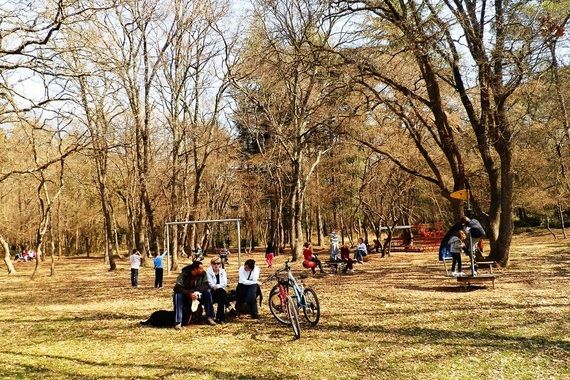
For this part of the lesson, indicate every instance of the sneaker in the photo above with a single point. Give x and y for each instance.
(460, 274)
(211, 322)
(178, 326)
(219, 321)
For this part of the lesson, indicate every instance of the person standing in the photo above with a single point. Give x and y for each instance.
(269, 254)
(248, 277)
(218, 281)
(158, 270)
(334, 246)
(444, 245)
(345, 256)
(456, 244)
(135, 265)
(474, 232)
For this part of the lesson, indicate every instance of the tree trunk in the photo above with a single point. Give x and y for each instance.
(320, 232)
(7, 258)
(561, 213)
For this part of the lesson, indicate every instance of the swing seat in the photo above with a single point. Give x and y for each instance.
(309, 264)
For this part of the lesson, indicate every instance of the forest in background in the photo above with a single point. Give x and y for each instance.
(297, 116)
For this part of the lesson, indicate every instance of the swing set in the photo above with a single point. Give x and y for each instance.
(167, 226)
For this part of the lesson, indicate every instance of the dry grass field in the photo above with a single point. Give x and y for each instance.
(394, 318)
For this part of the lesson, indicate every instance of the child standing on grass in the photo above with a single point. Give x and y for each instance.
(158, 270)
(456, 244)
(269, 254)
(135, 265)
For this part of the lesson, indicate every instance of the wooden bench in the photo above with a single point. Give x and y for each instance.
(467, 281)
(490, 264)
(335, 266)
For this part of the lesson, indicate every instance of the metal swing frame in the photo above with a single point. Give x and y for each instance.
(191, 222)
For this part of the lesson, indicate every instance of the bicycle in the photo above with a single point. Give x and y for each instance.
(280, 302)
(303, 298)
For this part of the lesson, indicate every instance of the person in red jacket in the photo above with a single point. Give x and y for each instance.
(311, 257)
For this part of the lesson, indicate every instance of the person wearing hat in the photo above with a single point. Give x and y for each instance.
(218, 281)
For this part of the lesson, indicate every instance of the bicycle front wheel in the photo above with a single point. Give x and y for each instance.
(294, 317)
(277, 309)
(311, 306)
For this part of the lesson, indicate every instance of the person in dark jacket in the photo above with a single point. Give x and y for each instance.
(473, 228)
(192, 287)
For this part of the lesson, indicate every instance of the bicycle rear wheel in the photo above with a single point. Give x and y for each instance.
(276, 308)
(292, 309)
(311, 307)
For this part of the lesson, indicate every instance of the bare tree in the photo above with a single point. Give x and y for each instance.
(288, 82)
(193, 85)
(503, 56)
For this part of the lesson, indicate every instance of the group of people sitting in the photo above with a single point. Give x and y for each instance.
(312, 262)
(25, 255)
(198, 288)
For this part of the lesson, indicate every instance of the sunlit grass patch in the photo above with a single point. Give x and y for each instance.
(395, 318)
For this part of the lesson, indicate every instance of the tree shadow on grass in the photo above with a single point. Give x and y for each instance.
(482, 339)
(44, 370)
(444, 288)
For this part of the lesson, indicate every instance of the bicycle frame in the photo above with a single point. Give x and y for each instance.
(291, 282)
(283, 295)
(298, 288)
(288, 307)
(281, 298)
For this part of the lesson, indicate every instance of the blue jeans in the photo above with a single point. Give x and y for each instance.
(334, 253)
(180, 301)
(456, 261)
(360, 255)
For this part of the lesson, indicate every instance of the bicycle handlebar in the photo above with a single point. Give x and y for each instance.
(286, 268)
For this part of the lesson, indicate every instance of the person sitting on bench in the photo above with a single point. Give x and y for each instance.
(310, 258)
(345, 256)
(246, 290)
(218, 281)
(361, 251)
(192, 287)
